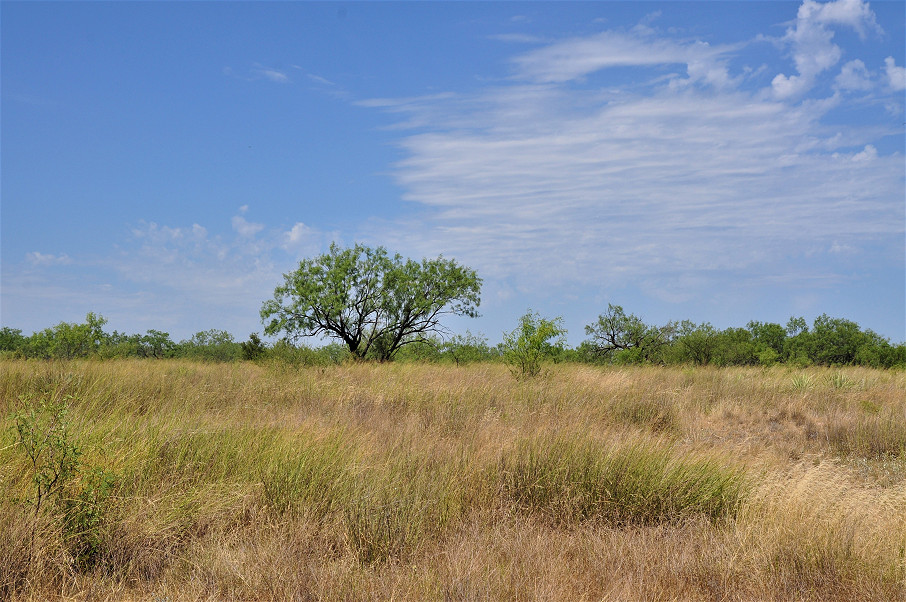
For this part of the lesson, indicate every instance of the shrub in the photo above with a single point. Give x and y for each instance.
(73, 495)
(535, 340)
(253, 349)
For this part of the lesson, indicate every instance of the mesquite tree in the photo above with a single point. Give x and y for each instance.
(371, 301)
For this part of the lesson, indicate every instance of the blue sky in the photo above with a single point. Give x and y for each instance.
(164, 163)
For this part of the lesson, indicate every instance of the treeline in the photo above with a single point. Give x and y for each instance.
(615, 338)
(625, 339)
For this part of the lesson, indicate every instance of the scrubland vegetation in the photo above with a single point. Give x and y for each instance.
(615, 339)
(183, 480)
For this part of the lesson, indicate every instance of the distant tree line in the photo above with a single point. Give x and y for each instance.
(615, 338)
(625, 339)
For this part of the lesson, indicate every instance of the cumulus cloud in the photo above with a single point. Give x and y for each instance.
(301, 238)
(896, 76)
(854, 76)
(811, 41)
(245, 228)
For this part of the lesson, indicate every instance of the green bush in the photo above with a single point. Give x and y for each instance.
(73, 495)
(534, 341)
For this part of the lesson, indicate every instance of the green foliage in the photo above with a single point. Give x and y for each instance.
(154, 344)
(535, 340)
(84, 515)
(835, 341)
(211, 345)
(734, 347)
(11, 339)
(253, 349)
(616, 334)
(42, 434)
(468, 348)
(375, 304)
(67, 340)
(426, 349)
(60, 484)
(392, 308)
(797, 343)
(768, 337)
(697, 342)
(284, 352)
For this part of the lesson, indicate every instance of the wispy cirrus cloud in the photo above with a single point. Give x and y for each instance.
(577, 57)
(274, 75)
(37, 258)
(677, 187)
(258, 71)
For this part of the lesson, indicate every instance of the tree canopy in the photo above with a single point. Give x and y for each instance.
(615, 331)
(371, 301)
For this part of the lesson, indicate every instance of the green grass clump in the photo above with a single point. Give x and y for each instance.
(305, 476)
(642, 483)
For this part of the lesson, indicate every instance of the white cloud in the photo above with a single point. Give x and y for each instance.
(896, 76)
(258, 72)
(578, 57)
(544, 185)
(870, 153)
(811, 41)
(245, 228)
(272, 74)
(302, 238)
(854, 76)
(47, 259)
(857, 14)
(319, 80)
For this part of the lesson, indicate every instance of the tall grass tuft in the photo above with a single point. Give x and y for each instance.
(876, 435)
(641, 483)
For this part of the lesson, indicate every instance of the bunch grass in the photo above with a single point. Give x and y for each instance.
(364, 481)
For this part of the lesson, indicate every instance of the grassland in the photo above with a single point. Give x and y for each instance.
(424, 482)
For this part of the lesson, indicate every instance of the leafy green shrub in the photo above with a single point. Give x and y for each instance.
(535, 340)
(253, 349)
(626, 339)
(468, 348)
(61, 486)
(11, 339)
(284, 352)
(211, 345)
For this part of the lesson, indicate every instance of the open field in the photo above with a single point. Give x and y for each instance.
(404, 481)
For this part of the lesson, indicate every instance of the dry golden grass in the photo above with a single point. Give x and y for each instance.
(425, 482)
